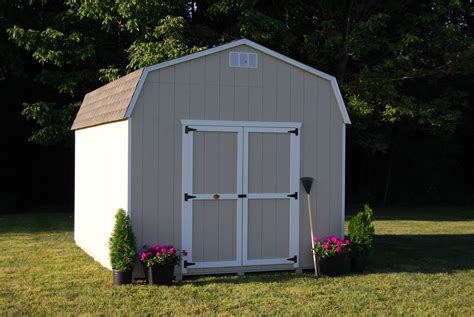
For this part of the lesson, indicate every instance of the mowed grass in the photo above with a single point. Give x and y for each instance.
(423, 265)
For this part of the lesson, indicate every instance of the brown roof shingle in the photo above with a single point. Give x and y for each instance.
(108, 103)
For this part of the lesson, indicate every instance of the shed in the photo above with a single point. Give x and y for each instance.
(205, 152)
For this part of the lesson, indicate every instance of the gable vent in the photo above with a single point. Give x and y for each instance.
(243, 59)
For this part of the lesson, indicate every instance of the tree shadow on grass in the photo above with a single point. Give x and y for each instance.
(393, 254)
(420, 213)
(36, 222)
(423, 253)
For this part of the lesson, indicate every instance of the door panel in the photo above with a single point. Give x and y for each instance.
(212, 210)
(270, 180)
(268, 229)
(214, 230)
(214, 160)
(269, 162)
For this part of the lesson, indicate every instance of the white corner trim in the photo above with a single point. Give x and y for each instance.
(223, 123)
(340, 101)
(136, 93)
(343, 198)
(258, 47)
(129, 172)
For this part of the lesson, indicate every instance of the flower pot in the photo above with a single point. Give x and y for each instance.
(121, 278)
(347, 264)
(358, 263)
(160, 274)
(332, 265)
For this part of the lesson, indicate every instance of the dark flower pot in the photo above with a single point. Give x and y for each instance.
(347, 264)
(160, 274)
(359, 263)
(145, 272)
(332, 265)
(121, 278)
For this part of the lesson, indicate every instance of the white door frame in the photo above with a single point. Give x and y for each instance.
(294, 201)
(242, 128)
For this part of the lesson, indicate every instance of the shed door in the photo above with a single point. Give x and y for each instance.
(212, 210)
(239, 202)
(271, 210)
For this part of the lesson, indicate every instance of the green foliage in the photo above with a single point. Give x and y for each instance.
(122, 243)
(53, 121)
(361, 232)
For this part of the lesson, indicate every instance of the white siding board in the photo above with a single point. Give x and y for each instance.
(101, 185)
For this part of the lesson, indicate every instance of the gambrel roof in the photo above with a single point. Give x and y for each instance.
(115, 101)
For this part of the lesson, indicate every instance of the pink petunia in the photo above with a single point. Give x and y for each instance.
(346, 242)
(334, 239)
(326, 246)
(338, 249)
(155, 248)
(158, 254)
(315, 238)
(172, 251)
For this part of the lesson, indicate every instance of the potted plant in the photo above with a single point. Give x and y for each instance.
(361, 234)
(159, 262)
(331, 253)
(122, 249)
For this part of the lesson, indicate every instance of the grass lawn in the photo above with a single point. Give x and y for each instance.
(423, 265)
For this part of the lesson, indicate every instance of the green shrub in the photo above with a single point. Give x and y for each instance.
(122, 243)
(361, 232)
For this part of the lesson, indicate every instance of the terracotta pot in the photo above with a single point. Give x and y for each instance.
(160, 274)
(332, 265)
(122, 278)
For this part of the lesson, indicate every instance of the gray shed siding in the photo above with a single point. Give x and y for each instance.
(207, 88)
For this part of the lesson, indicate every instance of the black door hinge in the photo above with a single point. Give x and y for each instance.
(294, 259)
(187, 196)
(186, 264)
(242, 196)
(295, 131)
(187, 129)
(295, 195)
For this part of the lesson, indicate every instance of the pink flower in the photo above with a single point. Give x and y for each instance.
(155, 248)
(326, 246)
(338, 249)
(158, 254)
(315, 238)
(172, 251)
(346, 242)
(334, 239)
(185, 253)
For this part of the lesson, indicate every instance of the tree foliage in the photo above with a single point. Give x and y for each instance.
(122, 243)
(405, 67)
(361, 232)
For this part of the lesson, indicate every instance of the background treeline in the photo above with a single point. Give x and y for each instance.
(406, 69)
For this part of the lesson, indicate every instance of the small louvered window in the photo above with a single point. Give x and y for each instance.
(243, 59)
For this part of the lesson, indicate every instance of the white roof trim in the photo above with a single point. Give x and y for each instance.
(258, 47)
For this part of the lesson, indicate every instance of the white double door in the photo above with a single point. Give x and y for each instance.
(240, 195)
